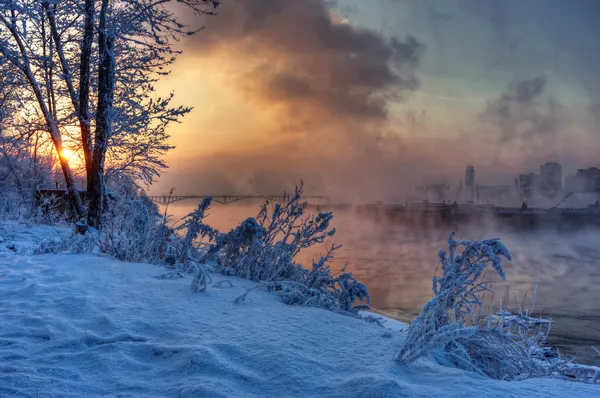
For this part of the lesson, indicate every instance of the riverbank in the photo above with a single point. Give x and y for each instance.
(397, 262)
(87, 325)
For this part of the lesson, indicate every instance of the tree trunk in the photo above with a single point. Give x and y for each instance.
(74, 198)
(84, 87)
(104, 113)
(80, 101)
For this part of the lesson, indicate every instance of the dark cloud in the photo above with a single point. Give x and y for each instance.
(524, 113)
(326, 86)
(286, 86)
(305, 57)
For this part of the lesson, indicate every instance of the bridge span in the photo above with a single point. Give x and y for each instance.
(227, 199)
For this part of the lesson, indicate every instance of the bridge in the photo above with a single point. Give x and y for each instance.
(226, 199)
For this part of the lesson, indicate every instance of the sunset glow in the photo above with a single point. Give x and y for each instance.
(378, 122)
(69, 154)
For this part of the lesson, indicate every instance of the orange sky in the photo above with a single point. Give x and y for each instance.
(294, 91)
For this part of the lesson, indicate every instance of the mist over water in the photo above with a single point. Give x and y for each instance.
(397, 263)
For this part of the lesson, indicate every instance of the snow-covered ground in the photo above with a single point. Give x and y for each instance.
(90, 326)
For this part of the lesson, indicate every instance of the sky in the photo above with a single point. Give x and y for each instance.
(364, 99)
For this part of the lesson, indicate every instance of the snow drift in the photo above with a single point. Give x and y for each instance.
(87, 325)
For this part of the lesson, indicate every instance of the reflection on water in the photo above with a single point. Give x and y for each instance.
(397, 263)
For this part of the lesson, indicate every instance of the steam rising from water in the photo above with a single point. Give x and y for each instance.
(397, 262)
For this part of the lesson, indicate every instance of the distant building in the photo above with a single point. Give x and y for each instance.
(585, 180)
(470, 178)
(551, 175)
(494, 194)
(432, 192)
(574, 184)
(529, 184)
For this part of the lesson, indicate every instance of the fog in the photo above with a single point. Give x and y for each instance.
(363, 101)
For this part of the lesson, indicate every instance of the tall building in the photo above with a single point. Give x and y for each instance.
(585, 180)
(470, 178)
(551, 173)
(494, 194)
(529, 184)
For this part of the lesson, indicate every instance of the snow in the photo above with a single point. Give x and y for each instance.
(85, 325)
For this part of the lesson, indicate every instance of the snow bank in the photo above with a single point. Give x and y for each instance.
(90, 326)
(19, 238)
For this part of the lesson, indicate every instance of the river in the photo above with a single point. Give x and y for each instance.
(397, 264)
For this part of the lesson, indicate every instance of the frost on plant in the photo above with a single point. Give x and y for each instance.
(263, 250)
(75, 244)
(455, 329)
(189, 260)
(443, 324)
(134, 231)
(453, 326)
(194, 227)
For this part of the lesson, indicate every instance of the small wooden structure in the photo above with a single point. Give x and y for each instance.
(57, 200)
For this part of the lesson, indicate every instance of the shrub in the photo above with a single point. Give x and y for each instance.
(454, 327)
(264, 249)
(75, 243)
(194, 227)
(189, 260)
(443, 324)
(134, 231)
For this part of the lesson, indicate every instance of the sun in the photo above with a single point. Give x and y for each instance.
(68, 153)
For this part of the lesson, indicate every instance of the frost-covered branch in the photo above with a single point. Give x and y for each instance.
(454, 328)
(264, 249)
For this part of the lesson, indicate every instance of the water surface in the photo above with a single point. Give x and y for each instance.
(397, 263)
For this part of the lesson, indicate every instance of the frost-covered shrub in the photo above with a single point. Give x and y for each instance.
(189, 257)
(289, 225)
(133, 231)
(23, 170)
(75, 243)
(317, 287)
(454, 328)
(240, 249)
(443, 325)
(263, 250)
(12, 207)
(194, 227)
(48, 211)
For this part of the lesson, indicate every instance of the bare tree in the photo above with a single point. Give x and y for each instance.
(104, 115)
(103, 87)
(25, 57)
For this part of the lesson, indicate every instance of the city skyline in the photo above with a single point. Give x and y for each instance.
(549, 184)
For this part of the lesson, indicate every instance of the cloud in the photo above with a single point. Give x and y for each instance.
(323, 87)
(299, 92)
(300, 57)
(524, 113)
